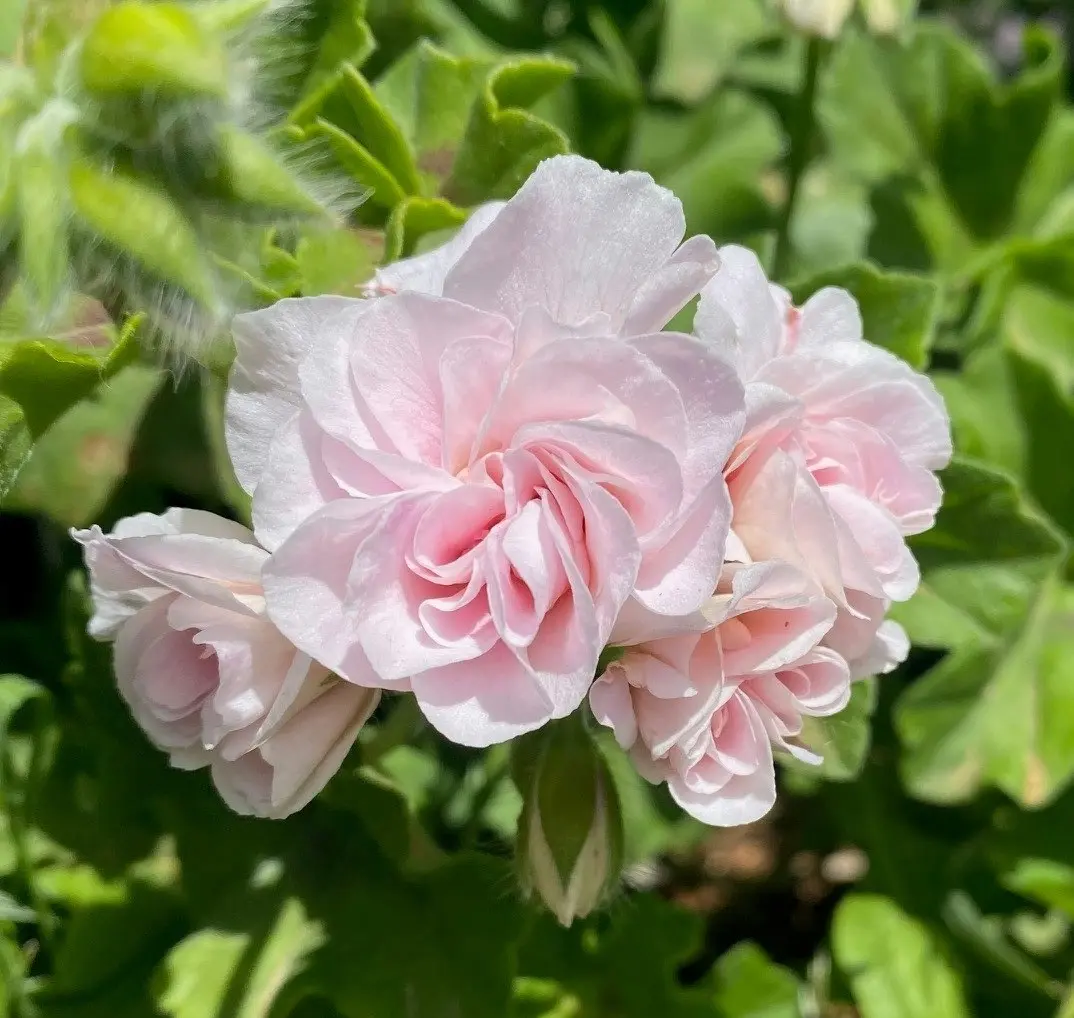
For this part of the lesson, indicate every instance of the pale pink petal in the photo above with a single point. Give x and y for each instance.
(289, 768)
(425, 273)
(576, 240)
(370, 601)
(830, 316)
(739, 292)
(491, 699)
(263, 389)
(673, 286)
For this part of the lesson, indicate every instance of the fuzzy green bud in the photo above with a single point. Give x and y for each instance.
(152, 47)
(570, 836)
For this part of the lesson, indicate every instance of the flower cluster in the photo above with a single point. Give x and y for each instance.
(469, 484)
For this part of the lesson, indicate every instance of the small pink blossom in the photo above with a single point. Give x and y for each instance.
(703, 711)
(837, 464)
(208, 678)
(463, 483)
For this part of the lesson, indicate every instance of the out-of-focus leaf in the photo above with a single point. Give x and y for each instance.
(15, 443)
(111, 923)
(147, 47)
(843, 740)
(714, 158)
(504, 142)
(240, 971)
(652, 823)
(987, 938)
(1046, 881)
(11, 20)
(699, 44)
(999, 709)
(46, 377)
(893, 964)
(984, 416)
(749, 985)
(83, 455)
(898, 310)
(1040, 354)
(983, 563)
(932, 109)
(456, 966)
(626, 967)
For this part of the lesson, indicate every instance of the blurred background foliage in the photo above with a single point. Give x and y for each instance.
(164, 164)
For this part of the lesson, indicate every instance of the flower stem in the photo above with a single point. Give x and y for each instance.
(803, 128)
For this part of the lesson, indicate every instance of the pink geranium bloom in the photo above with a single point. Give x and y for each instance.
(703, 711)
(207, 677)
(837, 465)
(463, 484)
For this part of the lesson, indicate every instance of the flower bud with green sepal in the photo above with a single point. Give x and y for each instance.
(570, 835)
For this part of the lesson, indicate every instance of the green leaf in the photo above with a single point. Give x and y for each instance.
(1046, 881)
(12, 912)
(136, 46)
(361, 164)
(15, 443)
(454, 965)
(899, 310)
(78, 462)
(1040, 354)
(111, 923)
(354, 109)
(46, 377)
(504, 142)
(626, 965)
(697, 50)
(894, 965)
(414, 218)
(982, 565)
(11, 20)
(749, 985)
(998, 709)
(986, 936)
(429, 93)
(843, 740)
(714, 158)
(984, 416)
(241, 973)
(141, 220)
(932, 109)
(337, 260)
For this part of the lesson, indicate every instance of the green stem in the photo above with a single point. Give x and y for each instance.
(803, 128)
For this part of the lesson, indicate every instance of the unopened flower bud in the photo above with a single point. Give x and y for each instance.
(570, 834)
(818, 17)
(886, 17)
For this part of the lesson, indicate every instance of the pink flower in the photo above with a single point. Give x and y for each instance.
(462, 491)
(842, 441)
(584, 245)
(205, 674)
(703, 711)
